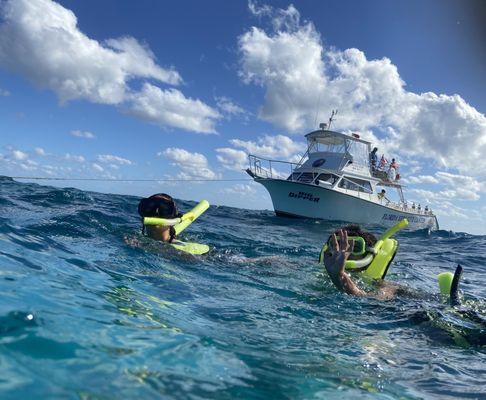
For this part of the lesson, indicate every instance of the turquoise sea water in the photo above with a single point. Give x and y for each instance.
(90, 309)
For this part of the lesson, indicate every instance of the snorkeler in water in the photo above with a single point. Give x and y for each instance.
(351, 245)
(159, 205)
(340, 248)
(161, 221)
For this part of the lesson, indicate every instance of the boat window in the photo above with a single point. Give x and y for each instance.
(359, 185)
(330, 178)
(359, 151)
(293, 176)
(307, 177)
(330, 147)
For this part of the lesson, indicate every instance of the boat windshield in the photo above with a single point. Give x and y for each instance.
(360, 153)
(330, 147)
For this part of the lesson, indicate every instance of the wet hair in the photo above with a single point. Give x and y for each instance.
(355, 230)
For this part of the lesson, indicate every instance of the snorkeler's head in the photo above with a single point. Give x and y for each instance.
(159, 205)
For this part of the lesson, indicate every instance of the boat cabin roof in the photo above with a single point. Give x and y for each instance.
(331, 137)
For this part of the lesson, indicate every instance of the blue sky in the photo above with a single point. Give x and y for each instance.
(158, 90)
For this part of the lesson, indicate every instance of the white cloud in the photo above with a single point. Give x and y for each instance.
(453, 187)
(75, 158)
(232, 159)
(448, 209)
(40, 40)
(281, 19)
(240, 189)
(451, 194)
(171, 108)
(97, 167)
(191, 165)
(40, 151)
(229, 108)
(422, 179)
(82, 134)
(301, 77)
(273, 147)
(109, 158)
(19, 155)
(456, 180)
(4, 93)
(289, 66)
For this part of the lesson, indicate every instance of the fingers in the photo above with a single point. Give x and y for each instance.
(346, 245)
(334, 242)
(344, 240)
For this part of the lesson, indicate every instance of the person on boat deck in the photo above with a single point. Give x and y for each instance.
(392, 171)
(339, 251)
(383, 162)
(381, 195)
(159, 205)
(374, 158)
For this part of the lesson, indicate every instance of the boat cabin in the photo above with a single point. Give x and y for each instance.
(336, 151)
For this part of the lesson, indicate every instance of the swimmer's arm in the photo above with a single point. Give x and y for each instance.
(346, 284)
(335, 261)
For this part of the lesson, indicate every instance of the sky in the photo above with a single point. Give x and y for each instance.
(185, 90)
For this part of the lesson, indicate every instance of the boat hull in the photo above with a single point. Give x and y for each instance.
(296, 199)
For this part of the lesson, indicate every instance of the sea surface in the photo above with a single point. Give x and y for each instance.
(91, 309)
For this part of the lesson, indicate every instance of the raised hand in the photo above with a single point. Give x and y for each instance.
(337, 254)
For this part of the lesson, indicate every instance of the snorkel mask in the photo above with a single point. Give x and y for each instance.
(160, 206)
(375, 260)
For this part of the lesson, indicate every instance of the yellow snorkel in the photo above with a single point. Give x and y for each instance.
(375, 264)
(181, 223)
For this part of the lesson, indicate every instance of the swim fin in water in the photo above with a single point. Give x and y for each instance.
(449, 285)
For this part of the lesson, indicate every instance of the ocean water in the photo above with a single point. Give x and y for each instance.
(91, 309)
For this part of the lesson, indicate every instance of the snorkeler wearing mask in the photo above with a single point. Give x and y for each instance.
(162, 222)
(351, 248)
(159, 205)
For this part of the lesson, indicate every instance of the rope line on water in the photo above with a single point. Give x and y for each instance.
(45, 178)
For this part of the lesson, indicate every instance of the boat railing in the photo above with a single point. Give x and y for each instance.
(269, 171)
(407, 208)
(268, 168)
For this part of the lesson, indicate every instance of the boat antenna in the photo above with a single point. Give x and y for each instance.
(334, 112)
(317, 109)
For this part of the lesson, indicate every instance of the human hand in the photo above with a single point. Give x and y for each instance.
(337, 254)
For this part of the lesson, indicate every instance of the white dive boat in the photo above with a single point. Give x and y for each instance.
(334, 181)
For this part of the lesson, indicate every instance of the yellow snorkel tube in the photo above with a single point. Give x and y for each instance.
(375, 264)
(181, 223)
